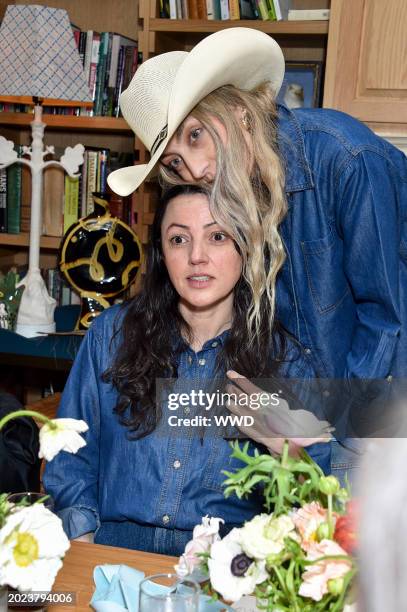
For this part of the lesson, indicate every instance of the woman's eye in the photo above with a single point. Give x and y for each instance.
(195, 133)
(177, 240)
(175, 163)
(219, 236)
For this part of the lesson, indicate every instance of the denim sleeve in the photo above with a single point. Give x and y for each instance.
(72, 480)
(370, 188)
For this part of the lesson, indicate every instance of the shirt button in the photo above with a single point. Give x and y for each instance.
(166, 519)
(326, 393)
(214, 344)
(187, 409)
(389, 378)
(177, 464)
(307, 351)
(202, 361)
(190, 360)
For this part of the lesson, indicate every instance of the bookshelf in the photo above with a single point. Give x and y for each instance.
(66, 122)
(295, 28)
(67, 130)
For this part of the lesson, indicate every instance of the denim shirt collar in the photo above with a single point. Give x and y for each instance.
(292, 148)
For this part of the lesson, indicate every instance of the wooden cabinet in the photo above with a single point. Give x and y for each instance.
(366, 68)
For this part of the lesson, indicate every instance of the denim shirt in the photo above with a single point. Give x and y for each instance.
(167, 483)
(343, 289)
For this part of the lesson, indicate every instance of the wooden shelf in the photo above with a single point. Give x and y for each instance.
(23, 240)
(304, 28)
(97, 124)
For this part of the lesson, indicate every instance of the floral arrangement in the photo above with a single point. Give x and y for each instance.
(298, 557)
(32, 541)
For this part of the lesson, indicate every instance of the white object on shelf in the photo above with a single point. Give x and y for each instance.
(308, 14)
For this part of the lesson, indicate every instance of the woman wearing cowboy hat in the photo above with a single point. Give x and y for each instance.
(319, 201)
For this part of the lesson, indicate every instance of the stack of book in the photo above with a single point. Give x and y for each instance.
(65, 199)
(109, 62)
(268, 10)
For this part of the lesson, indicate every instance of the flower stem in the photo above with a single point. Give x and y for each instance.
(330, 518)
(29, 413)
(284, 455)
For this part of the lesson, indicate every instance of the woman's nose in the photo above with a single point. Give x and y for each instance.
(198, 253)
(198, 168)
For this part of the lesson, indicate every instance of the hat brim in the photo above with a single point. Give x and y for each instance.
(243, 57)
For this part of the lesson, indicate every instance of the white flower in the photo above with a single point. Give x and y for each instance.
(203, 536)
(264, 535)
(32, 543)
(64, 436)
(226, 554)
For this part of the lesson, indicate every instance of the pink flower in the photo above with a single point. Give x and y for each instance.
(307, 520)
(203, 536)
(316, 578)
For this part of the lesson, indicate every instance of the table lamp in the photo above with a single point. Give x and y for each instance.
(39, 64)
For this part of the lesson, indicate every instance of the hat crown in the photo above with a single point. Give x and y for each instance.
(145, 102)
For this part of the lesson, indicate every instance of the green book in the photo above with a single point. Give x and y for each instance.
(14, 177)
(71, 201)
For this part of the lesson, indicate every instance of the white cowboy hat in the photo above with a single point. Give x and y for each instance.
(167, 87)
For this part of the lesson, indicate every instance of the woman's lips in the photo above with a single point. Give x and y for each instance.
(199, 281)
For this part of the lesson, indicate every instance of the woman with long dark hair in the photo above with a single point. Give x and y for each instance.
(148, 474)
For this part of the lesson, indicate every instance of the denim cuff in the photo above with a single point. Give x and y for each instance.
(78, 520)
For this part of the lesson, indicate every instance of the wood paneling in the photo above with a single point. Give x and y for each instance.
(366, 71)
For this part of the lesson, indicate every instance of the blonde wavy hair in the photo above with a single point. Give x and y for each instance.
(250, 204)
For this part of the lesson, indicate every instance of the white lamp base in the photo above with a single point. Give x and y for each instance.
(31, 331)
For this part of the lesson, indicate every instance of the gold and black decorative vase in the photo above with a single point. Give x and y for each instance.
(100, 257)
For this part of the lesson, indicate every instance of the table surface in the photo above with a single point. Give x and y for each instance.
(76, 574)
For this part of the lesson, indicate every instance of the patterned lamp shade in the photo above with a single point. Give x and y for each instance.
(38, 55)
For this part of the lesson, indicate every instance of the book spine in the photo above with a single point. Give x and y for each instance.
(14, 180)
(234, 10)
(193, 9)
(216, 9)
(3, 200)
(84, 186)
(185, 13)
(202, 14)
(224, 9)
(164, 9)
(105, 92)
(93, 65)
(71, 201)
(173, 9)
(111, 86)
(25, 198)
(246, 10)
(103, 159)
(271, 11)
(101, 72)
(91, 180)
(308, 14)
(262, 8)
(210, 9)
(277, 10)
(119, 82)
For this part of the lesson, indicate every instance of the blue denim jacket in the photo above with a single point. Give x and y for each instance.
(162, 485)
(343, 289)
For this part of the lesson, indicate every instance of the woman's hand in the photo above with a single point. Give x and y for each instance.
(273, 420)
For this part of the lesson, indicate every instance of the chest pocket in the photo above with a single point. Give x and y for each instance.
(324, 269)
(219, 459)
